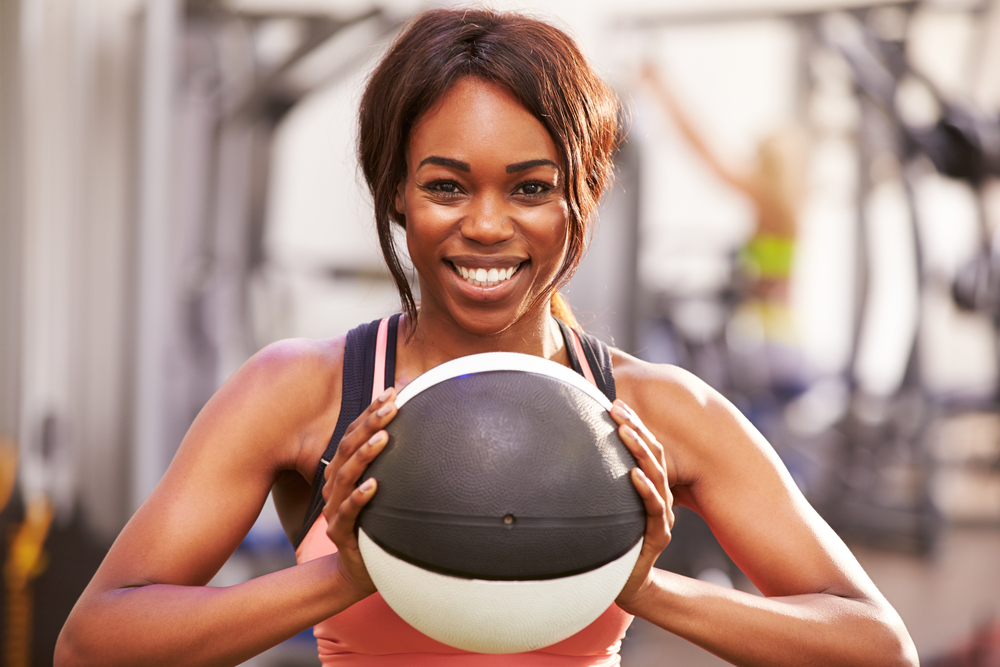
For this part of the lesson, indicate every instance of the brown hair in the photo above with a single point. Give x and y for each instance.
(539, 64)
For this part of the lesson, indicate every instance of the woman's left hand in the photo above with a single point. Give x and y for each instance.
(651, 481)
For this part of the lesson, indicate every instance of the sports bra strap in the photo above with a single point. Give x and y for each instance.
(578, 348)
(590, 358)
(378, 379)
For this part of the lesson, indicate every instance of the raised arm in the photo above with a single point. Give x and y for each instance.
(820, 608)
(664, 95)
(148, 604)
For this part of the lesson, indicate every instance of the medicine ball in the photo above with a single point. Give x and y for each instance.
(505, 518)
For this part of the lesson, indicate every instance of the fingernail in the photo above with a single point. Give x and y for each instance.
(642, 478)
(385, 395)
(384, 410)
(368, 485)
(375, 440)
(620, 411)
(630, 433)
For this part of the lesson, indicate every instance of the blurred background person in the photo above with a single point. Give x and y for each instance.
(776, 185)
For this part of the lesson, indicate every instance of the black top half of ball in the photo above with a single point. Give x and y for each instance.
(505, 475)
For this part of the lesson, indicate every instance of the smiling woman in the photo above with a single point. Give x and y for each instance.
(489, 138)
(538, 67)
(483, 196)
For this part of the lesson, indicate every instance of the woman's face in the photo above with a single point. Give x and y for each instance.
(485, 206)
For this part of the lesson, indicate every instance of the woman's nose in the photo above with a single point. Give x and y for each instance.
(487, 220)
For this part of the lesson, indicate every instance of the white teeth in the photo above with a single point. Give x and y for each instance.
(486, 277)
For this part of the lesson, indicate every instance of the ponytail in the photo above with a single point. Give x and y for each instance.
(561, 311)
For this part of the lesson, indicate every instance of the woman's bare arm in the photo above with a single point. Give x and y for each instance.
(665, 97)
(820, 608)
(148, 604)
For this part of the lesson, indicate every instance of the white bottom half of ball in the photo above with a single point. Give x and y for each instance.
(495, 616)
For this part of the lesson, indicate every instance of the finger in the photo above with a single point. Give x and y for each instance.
(652, 466)
(375, 417)
(625, 415)
(658, 512)
(349, 473)
(343, 478)
(341, 527)
(386, 396)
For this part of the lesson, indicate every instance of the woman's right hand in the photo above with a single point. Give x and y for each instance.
(362, 442)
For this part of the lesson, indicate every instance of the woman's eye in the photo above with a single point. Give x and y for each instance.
(445, 188)
(533, 189)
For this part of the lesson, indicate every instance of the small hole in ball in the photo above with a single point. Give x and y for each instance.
(508, 520)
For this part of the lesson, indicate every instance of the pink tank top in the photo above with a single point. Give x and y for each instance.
(370, 633)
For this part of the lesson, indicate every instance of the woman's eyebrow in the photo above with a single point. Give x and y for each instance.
(528, 164)
(447, 162)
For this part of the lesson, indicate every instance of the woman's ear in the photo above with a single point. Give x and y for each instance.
(400, 204)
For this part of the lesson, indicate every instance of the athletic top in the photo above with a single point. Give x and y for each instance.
(369, 633)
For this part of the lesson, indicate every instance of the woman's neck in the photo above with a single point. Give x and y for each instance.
(436, 341)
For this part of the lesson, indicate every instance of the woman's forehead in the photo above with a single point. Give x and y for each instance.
(478, 119)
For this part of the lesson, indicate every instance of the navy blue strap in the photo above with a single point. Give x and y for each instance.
(355, 396)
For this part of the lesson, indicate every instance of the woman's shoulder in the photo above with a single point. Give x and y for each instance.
(295, 366)
(639, 382)
(698, 426)
(288, 392)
